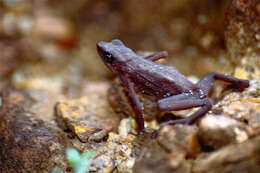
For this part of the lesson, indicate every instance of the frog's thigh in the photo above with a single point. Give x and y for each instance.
(179, 102)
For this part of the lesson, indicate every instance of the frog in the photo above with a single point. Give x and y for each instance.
(171, 89)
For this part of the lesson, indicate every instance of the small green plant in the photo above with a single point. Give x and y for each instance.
(79, 162)
(56, 171)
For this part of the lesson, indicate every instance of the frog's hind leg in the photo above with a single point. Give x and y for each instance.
(174, 103)
(156, 56)
(206, 83)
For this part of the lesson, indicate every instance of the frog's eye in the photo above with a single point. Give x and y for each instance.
(109, 57)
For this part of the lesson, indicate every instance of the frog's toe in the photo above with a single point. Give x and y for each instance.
(145, 134)
(132, 133)
(155, 134)
(145, 131)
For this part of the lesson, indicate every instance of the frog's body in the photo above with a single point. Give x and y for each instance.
(172, 90)
(156, 79)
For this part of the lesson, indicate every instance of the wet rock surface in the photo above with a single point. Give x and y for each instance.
(118, 154)
(38, 101)
(27, 143)
(243, 107)
(242, 37)
(170, 151)
(242, 157)
(155, 159)
(217, 131)
(177, 148)
(89, 117)
(180, 139)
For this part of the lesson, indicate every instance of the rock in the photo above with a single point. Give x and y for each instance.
(242, 37)
(87, 115)
(180, 138)
(243, 107)
(40, 102)
(154, 159)
(230, 124)
(217, 131)
(172, 151)
(27, 143)
(126, 126)
(239, 158)
(14, 97)
(117, 154)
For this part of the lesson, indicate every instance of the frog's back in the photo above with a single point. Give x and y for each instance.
(162, 80)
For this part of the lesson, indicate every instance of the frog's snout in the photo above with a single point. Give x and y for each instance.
(100, 45)
(100, 48)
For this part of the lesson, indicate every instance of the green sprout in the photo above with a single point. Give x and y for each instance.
(57, 171)
(79, 162)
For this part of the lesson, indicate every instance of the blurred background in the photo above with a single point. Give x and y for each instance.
(52, 43)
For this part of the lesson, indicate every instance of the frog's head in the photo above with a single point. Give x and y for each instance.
(114, 54)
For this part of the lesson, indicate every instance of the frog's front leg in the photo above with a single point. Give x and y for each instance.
(136, 105)
(156, 56)
(182, 102)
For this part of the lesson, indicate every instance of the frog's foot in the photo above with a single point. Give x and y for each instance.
(132, 133)
(239, 86)
(143, 134)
